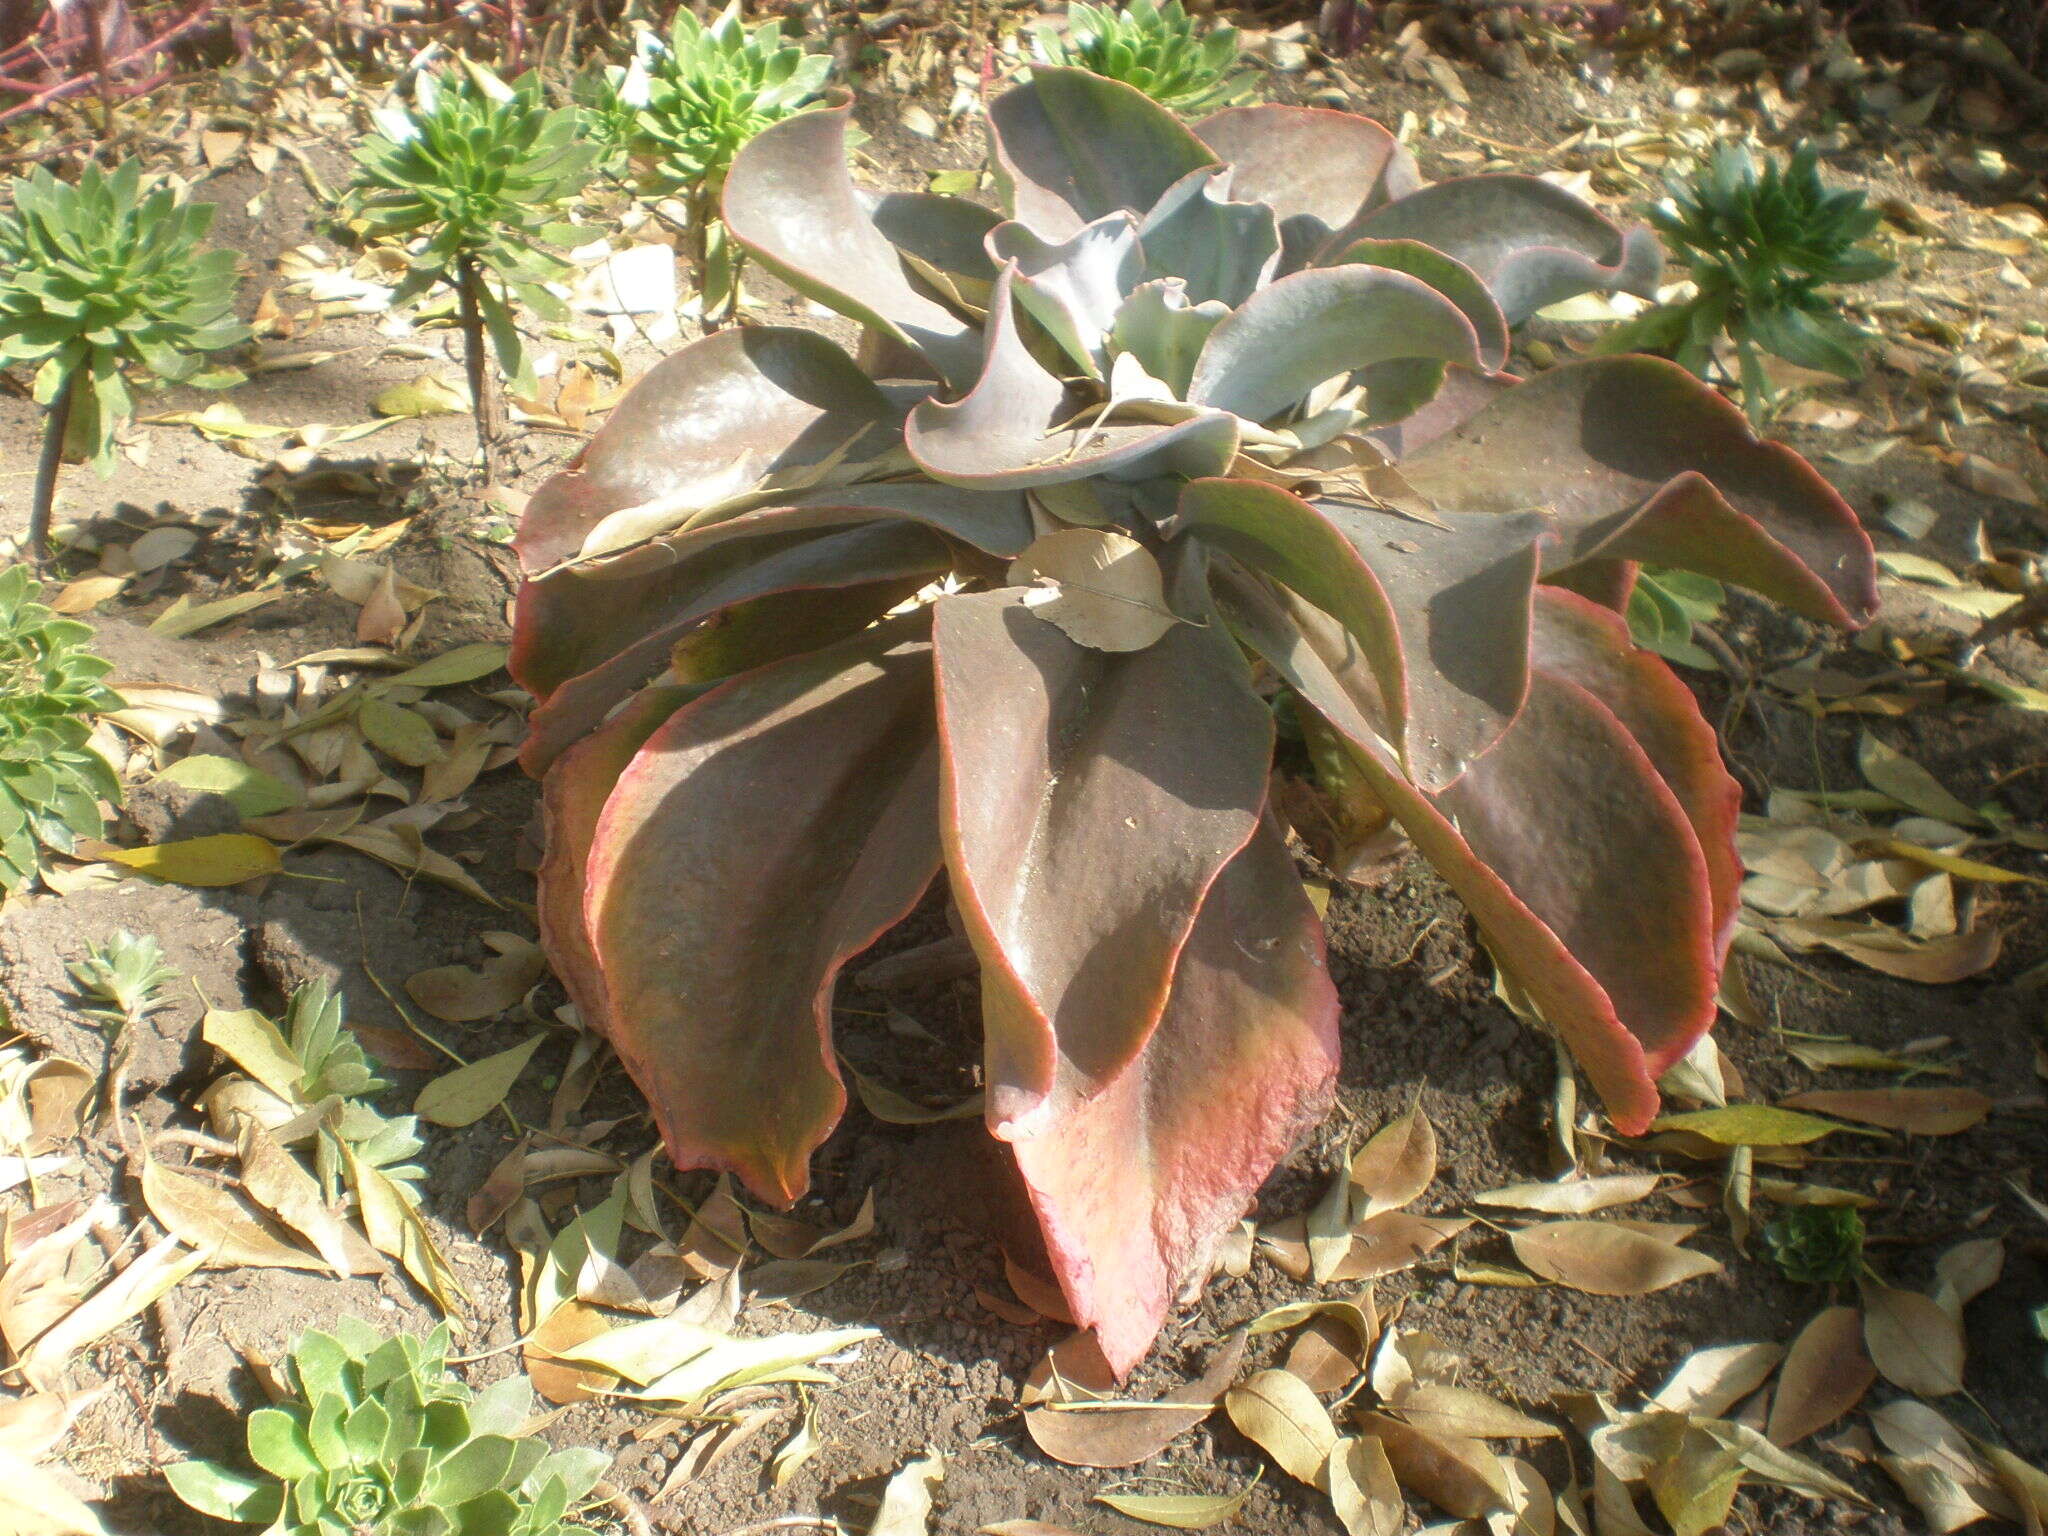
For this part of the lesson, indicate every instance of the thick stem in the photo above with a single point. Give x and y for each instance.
(483, 399)
(56, 422)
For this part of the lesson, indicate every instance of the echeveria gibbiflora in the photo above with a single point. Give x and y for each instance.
(1202, 416)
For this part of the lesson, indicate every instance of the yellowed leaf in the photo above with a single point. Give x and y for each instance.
(1396, 1166)
(226, 858)
(1917, 1111)
(1277, 1412)
(1912, 1340)
(1606, 1258)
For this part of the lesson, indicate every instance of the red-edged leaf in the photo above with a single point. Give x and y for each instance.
(706, 423)
(572, 798)
(1070, 146)
(1135, 1186)
(1090, 799)
(1313, 655)
(1638, 460)
(1001, 434)
(763, 835)
(1531, 242)
(1569, 811)
(1318, 170)
(789, 200)
(1590, 645)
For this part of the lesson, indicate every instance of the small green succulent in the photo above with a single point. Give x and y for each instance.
(1154, 47)
(337, 1067)
(97, 280)
(709, 89)
(124, 978)
(1664, 605)
(379, 1436)
(1816, 1244)
(51, 687)
(1763, 248)
(475, 168)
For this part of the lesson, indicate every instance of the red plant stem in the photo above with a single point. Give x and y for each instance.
(55, 423)
(155, 45)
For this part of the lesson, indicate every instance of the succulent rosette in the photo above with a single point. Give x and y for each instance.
(1203, 418)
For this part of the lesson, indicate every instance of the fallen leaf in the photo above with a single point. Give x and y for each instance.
(1967, 1271)
(1606, 1258)
(150, 1275)
(1936, 1465)
(1890, 770)
(467, 1094)
(250, 790)
(799, 1448)
(381, 619)
(397, 731)
(1976, 473)
(1181, 1511)
(226, 858)
(1711, 1381)
(1913, 1342)
(1394, 1241)
(1093, 1433)
(1917, 1111)
(1395, 1167)
(464, 664)
(427, 395)
(463, 995)
(1825, 1374)
(1102, 589)
(1574, 1197)
(212, 1220)
(276, 1181)
(1363, 1488)
(1467, 1414)
(1277, 1412)
(185, 617)
(1748, 1125)
(1460, 1477)
(907, 1497)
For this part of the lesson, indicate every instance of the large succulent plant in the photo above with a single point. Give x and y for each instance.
(1203, 417)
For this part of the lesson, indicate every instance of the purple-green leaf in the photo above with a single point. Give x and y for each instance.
(1638, 460)
(1090, 799)
(1135, 1186)
(1318, 170)
(1530, 241)
(790, 201)
(1013, 429)
(1293, 334)
(704, 424)
(1070, 146)
(779, 824)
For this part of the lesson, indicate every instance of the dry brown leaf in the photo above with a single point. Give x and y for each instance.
(569, 1325)
(1917, 1111)
(1607, 1258)
(1825, 1374)
(2025, 1484)
(1711, 1381)
(1394, 1241)
(163, 1265)
(381, 619)
(213, 1220)
(1073, 1370)
(463, 995)
(1363, 1488)
(1041, 1295)
(1277, 1412)
(1468, 1414)
(1977, 473)
(1573, 1197)
(1103, 589)
(1460, 1477)
(276, 1180)
(1967, 1271)
(1937, 1466)
(1118, 1434)
(1913, 1342)
(1395, 1167)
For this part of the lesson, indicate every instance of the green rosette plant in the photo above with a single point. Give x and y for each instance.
(1763, 248)
(687, 104)
(378, 1435)
(99, 281)
(51, 687)
(1816, 1244)
(473, 169)
(1156, 48)
(1204, 422)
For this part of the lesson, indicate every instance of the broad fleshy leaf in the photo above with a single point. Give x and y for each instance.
(1090, 799)
(1638, 460)
(1531, 242)
(1135, 1186)
(705, 424)
(1318, 170)
(1221, 249)
(1014, 428)
(1074, 287)
(781, 823)
(789, 200)
(1070, 146)
(1293, 334)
